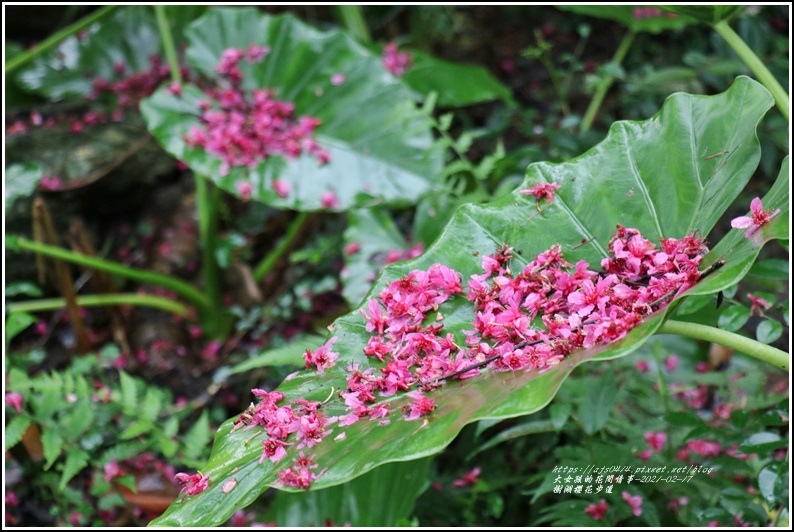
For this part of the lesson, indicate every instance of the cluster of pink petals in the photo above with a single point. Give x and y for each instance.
(128, 90)
(579, 307)
(192, 484)
(244, 129)
(301, 418)
(395, 61)
(300, 474)
(133, 88)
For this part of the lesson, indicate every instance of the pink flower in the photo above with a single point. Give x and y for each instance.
(642, 366)
(112, 470)
(644, 455)
(395, 61)
(329, 200)
(273, 449)
(758, 219)
(656, 440)
(469, 478)
(635, 501)
(597, 511)
(14, 400)
(352, 248)
(282, 188)
(759, 305)
(337, 79)
(192, 484)
(323, 358)
(671, 363)
(50, 182)
(175, 88)
(244, 188)
(541, 191)
(421, 406)
(12, 499)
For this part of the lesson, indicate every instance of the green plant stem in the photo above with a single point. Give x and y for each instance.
(55, 39)
(267, 264)
(167, 40)
(545, 59)
(181, 288)
(101, 300)
(750, 347)
(755, 64)
(352, 17)
(207, 202)
(606, 82)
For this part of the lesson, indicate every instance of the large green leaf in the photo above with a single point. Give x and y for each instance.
(707, 14)
(379, 143)
(129, 36)
(636, 18)
(657, 175)
(456, 84)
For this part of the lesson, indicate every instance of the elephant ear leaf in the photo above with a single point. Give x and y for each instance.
(379, 145)
(669, 176)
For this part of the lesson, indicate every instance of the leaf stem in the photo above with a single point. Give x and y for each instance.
(101, 300)
(352, 17)
(167, 40)
(181, 288)
(755, 64)
(267, 264)
(207, 204)
(55, 39)
(606, 82)
(766, 353)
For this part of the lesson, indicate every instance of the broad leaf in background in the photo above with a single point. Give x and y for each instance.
(382, 497)
(708, 14)
(636, 18)
(15, 96)
(128, 37)
(657, 175)
(380, 144)
(21, 181)
(456, 84)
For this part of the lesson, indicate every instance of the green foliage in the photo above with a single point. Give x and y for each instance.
(20, 181)
(128, 37)
(382, 497)
(81, 424)
(456, 85)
